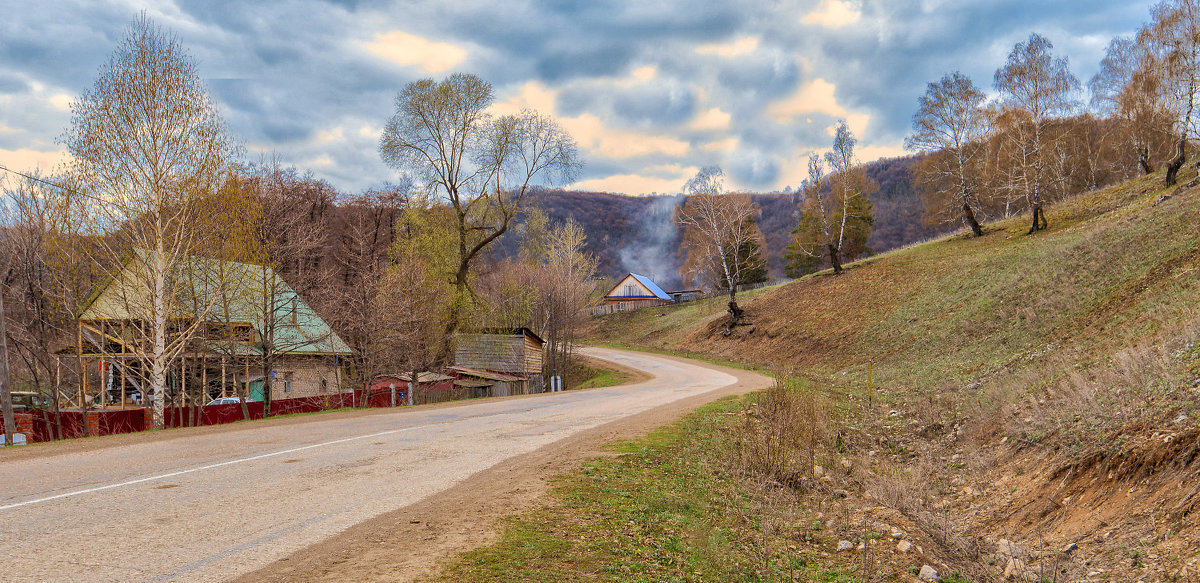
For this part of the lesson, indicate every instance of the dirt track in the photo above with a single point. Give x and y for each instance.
(335, 497)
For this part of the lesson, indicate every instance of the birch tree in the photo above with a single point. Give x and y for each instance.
(148, 142)
(951, 123)
(716, 226)
(837, 215)
(1035, 86)
(1173, 37)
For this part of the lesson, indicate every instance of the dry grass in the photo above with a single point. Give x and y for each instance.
(1014, 359)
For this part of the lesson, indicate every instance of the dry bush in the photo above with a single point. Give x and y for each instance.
(779, 436)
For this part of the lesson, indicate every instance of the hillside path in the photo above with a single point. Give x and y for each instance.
(341, 496)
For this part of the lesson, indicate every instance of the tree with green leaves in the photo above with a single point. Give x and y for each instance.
(481, 165)
(837, 214)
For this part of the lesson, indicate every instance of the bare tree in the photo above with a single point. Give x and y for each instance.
(47, 278)
(367, 233)
(1129, 89)
(481, 165)
(716, 226)
(1173, 40)
(148, 142)
(6, 404)
(951, 123)
(566, 290)
(1035, 86)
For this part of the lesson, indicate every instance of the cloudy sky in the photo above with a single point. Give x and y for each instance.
(651, 89)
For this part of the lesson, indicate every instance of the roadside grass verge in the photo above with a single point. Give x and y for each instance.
(676, 505)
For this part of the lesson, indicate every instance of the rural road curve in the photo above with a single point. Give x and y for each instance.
(215, 505)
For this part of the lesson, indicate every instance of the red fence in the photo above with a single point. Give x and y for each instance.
(109, 422)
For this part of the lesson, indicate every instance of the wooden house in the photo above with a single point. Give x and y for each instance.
(518, 352)
(636, 290)
(232, 315)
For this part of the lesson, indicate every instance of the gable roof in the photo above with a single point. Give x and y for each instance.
(653, 287)
(522, 331)
(645, 281)
(229, 291)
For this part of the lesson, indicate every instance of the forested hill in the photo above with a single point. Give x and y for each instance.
(637, 233)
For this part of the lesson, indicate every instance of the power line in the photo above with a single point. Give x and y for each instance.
(48, 183)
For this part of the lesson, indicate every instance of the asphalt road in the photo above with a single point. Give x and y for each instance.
(213, 506)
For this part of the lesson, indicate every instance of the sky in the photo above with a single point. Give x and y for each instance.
(652, 90)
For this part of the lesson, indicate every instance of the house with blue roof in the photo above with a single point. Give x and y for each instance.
(636, 290)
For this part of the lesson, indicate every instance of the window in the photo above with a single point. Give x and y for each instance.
(287, 382)
(631, 290)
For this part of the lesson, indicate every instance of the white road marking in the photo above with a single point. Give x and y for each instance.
(208, 467)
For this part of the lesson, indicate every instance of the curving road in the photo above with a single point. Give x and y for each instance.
(222, 503)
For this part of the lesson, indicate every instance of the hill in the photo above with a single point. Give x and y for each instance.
(636, 233)
(1029, 393)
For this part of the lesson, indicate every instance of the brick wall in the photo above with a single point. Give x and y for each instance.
(307, 376)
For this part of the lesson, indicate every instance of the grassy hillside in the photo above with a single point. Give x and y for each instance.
(1039, 389)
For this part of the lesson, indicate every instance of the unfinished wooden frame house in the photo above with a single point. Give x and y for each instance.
(224, 327)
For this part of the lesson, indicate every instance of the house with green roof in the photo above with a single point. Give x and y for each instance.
(226, 320)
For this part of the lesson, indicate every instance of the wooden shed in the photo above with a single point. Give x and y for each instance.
(514, 351)
(490, 384)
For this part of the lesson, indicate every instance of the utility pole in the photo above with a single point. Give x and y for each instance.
(10, 422)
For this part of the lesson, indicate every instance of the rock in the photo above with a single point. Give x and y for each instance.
(895, 413)
(818, 471)
(839, 493)
(1196, 383)
(1014, 569)
(903, 546)
(1005, 548)
(969, 491)
(897, 534)
(1067, 550)
(927, 573)
(844, 545)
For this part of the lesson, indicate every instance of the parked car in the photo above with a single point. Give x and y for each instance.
(224, 401)
(28, 401)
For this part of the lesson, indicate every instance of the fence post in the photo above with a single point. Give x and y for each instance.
(870, 390)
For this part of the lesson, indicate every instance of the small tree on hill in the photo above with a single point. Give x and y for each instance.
(951, 123)
(837, 214)
(1173, 43)
(1035, 86)
(716, 227)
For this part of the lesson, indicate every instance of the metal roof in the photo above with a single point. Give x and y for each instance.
(484, 374)
(650, 285)
(229, 291)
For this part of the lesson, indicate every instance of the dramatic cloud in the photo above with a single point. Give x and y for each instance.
(651, 90)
